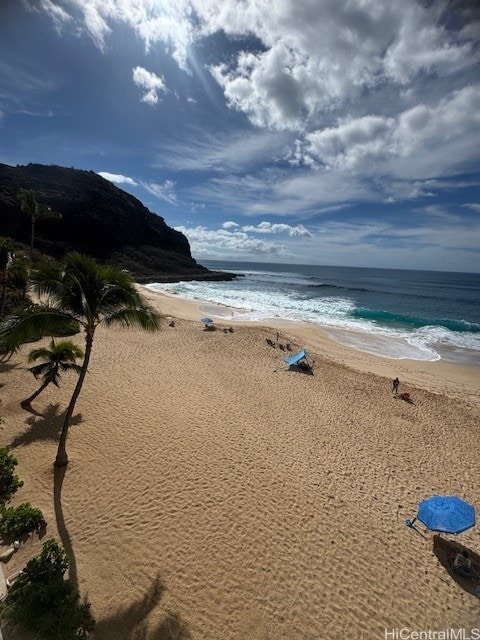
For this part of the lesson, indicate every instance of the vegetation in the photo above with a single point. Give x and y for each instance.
(9, 482)
(85, 292)
(98, 219)
(42, 601)
(17, 279)
(36, 211)
(60, 357)
(6, 248)
(17, 521)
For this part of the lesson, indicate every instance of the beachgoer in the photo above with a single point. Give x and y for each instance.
(462, 564)
(278, 336)
(395, 384)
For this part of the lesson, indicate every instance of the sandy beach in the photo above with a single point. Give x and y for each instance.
(213, 495)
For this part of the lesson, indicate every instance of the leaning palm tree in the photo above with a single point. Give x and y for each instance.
(88, 293)
(60, 357)
(6, 249)
(36, 211)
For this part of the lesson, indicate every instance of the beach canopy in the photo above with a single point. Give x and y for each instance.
(296, 358)
(206, 321)
(445, 514)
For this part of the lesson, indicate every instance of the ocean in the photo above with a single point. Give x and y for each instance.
(418, 315)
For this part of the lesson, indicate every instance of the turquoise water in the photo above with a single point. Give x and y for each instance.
(421, 315)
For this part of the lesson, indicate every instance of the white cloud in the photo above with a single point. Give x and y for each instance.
(319, 55)
(150, 83)
(230, 225)
(222, 152)
(474, 206)
(117, 178)
(58, 15)
(422, 142)
(210, 242)
(316, 55)
(163, 191)
(267, 227)
(195, 206)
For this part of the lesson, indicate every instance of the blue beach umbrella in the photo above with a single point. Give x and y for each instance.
(445, 514)
(206, 321)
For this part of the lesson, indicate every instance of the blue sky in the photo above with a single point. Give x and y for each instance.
(303, 131)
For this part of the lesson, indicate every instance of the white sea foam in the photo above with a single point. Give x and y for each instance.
(259, 298)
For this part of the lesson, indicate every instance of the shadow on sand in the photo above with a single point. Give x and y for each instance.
(6, 366)
(45, 426)
(58, 478)
(131, 623)
(446, 550)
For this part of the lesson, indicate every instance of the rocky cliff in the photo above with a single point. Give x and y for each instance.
(99, 219)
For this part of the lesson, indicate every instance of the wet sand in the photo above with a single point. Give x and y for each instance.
(213, 495)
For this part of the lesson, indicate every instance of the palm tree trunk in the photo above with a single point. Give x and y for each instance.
(34, 395)
(62, 459)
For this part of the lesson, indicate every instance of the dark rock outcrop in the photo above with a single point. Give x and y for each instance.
(99, 219)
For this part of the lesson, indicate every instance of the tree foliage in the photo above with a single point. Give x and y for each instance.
(17, 521)
(83, 291)
(36, 211)
(59, 358)
(43, 601)
(9, 482)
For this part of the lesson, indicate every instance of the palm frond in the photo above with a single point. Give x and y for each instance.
(70, 366)
(40, 369)
(144, 317)
(40, 321)
(27, 200)
(36, 354)
(47, 279)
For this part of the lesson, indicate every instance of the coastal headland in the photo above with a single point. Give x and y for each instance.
(214, 495)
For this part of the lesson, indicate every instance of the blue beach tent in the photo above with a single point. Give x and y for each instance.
(291, 360)
(206, 320)
(445, 514)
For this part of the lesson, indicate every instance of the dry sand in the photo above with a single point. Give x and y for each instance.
(213, 495)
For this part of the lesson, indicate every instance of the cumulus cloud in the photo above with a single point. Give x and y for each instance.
(267, 227)
(313, 55)
(319, 55)
(117, 178)
(348, 85)
(230, 225)
(163, 191)
(150, 83)
(205, 241)
(397, 144)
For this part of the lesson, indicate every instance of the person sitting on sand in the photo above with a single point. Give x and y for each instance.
(395, 384)
(462, 564)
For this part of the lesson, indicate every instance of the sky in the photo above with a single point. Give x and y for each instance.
(335, 132)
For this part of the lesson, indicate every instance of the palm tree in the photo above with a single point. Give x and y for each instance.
(60, 357)
(18, 275)
(88, 293)
(35, 210)
(6, 248)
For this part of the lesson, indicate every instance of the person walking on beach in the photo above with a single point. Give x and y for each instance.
(395, 384)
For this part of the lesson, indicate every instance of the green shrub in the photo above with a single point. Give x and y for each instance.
(16, 521)
(9, 483)
(42, 601)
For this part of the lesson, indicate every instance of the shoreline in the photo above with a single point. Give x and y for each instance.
(438, 376)
(212, 494)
